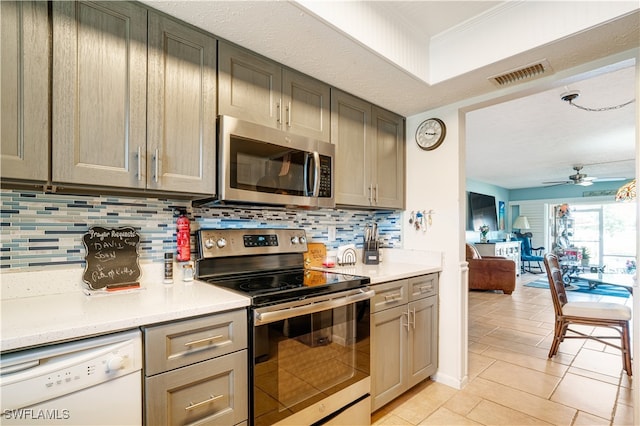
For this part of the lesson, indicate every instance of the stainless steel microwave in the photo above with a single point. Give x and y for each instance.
(262, 165)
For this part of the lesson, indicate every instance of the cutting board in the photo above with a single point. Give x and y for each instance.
(315, 255)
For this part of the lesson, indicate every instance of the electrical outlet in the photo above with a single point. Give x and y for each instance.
(331, 233)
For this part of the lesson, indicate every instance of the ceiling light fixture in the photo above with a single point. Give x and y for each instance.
(571, 95)
(627, 192)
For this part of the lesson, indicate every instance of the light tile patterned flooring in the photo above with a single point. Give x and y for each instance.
(511, 380)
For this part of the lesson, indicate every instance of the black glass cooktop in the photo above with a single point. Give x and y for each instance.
(271, 288)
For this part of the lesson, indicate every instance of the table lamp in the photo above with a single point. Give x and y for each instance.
(520, 223)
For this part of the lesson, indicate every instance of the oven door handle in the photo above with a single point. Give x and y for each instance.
(261, 318)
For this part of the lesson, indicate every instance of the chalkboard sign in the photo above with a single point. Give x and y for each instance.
(112, 257)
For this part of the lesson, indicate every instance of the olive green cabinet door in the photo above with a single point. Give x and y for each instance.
(388, 172)
(24, 124)
(249, 86)
(306, 103)
(350, 133)
(388, 355)
(181, 108)
(422, 348)
(99, 93)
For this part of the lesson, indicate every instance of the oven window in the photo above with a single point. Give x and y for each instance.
(264, 167)
(301, 360)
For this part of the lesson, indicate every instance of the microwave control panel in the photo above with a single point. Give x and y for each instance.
(325, 177)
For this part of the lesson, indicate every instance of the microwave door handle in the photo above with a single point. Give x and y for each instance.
(307, 160)
(316, 174)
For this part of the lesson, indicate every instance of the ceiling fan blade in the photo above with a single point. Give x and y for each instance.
(609, 179)
(558, 182)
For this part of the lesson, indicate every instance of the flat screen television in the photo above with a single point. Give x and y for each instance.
(482, 210)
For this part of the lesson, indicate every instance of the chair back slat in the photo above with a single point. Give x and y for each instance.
(556, 285)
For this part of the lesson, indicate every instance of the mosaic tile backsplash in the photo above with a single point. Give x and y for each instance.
(41, 230)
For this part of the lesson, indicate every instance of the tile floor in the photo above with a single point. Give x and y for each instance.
(511, 380)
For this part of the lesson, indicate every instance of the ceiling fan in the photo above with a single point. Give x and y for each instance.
(582, 179)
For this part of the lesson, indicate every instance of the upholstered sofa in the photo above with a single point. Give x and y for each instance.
(490, 272)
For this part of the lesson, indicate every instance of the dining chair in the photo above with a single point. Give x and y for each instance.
(595, 314)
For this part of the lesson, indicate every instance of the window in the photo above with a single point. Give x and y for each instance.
(609, 233)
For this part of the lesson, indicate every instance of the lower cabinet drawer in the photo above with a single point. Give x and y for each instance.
(181, 343)
(212, 392)
(389, 295)
(423, 286)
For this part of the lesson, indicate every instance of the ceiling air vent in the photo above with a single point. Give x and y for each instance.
(520, 75)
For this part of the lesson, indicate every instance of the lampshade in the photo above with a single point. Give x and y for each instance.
(521, 222)
(627, 192)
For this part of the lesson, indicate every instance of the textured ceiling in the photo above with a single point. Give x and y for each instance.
(544, 137)
(540, 128)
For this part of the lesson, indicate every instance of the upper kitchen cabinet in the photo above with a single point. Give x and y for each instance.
(24, 123)
(125, 118)
(255, 89)
(181, 108)
(99, 94)
(388, 169)
(369, 153)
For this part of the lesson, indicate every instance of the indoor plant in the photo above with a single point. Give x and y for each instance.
(484, 230)
(586, 255)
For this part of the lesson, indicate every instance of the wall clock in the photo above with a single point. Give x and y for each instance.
(431, 133)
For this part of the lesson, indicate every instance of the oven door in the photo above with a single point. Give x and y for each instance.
(311, 359)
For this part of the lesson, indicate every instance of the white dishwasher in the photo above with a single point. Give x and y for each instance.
(94, 381)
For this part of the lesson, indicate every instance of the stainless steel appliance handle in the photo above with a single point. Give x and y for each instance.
(305, 173)
(332, 301)
(316, 174)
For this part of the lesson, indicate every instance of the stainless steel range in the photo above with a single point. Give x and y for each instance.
(309, 345)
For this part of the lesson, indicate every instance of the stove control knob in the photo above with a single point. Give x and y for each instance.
(303, 240)
(221, 243)
(209, 243)
(294, 240)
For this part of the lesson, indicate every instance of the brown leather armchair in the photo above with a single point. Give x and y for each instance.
(490, 272)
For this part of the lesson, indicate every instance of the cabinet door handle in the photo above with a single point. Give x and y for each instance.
(206, 339)
(211, 398)
(392, 297)
(375, 199)
(139, 165)
(279, 113)
(413, 323)
(407, 315)
(370, 194)
(289, 114)
(156, 166)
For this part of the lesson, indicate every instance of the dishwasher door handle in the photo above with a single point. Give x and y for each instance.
(314, 305)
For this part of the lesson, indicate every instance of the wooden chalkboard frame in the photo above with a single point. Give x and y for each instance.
(111, 257)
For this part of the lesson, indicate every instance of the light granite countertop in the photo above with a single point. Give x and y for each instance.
(43, 307)
(36, 314)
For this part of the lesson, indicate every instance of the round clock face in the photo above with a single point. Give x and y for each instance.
(430, 134)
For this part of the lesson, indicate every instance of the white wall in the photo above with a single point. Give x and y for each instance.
(434, 183)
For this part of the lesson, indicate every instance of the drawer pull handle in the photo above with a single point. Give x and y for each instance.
(392, 297)
(192, 406)
(425, 288)
(206, 339)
